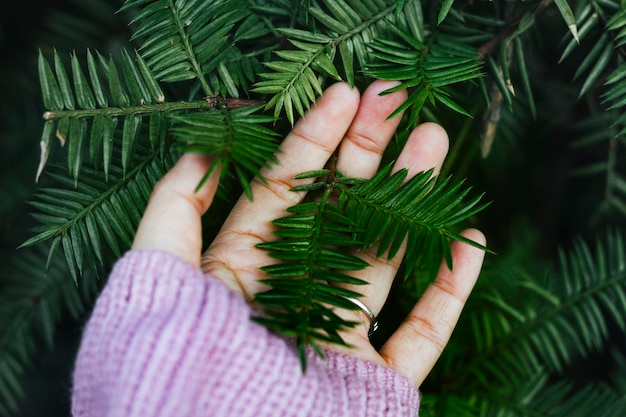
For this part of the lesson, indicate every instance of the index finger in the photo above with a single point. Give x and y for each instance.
(175, 197)
(307, 148)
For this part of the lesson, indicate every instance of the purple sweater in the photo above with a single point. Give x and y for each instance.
(167, 340)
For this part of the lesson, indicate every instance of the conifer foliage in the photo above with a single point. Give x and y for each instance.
(231, 77)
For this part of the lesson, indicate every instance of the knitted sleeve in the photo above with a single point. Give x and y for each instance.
(167, 340)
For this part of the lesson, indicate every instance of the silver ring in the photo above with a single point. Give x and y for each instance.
(368, 313)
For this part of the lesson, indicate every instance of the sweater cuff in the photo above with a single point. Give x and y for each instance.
(379, 389)
(163, 329)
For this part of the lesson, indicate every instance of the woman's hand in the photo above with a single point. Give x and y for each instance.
(359, 128)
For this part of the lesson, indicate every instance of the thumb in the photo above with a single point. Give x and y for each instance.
(172, 220)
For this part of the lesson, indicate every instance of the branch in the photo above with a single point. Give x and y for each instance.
(488, 46)
(209, 102)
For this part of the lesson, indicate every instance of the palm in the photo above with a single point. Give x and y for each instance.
(360, 131)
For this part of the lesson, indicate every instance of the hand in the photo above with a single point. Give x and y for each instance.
(358, 127)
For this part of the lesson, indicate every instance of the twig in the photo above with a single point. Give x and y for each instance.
(488, 46)
(217, 101)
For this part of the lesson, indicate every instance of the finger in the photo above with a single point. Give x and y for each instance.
(171, 222)
(308, 147)
(362, 148)
(425, 148)
(417, 344)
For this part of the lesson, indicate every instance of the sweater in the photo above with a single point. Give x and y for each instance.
(165, 339)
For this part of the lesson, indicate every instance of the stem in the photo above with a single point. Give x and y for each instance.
(307, 301)
(210, 102)
(131, 110)
(488, 46)
(364, 25)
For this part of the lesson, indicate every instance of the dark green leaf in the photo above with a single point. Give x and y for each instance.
(129, 136)
(49, 87)
(445, 9)
(84, 95)
(64, 82)
(568, 16)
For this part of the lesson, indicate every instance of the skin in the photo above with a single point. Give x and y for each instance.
(357, 126)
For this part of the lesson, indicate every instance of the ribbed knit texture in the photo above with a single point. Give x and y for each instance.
(167, 340)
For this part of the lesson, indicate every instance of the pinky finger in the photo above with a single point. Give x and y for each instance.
(415, 347)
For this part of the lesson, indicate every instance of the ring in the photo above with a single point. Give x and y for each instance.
(368, 313)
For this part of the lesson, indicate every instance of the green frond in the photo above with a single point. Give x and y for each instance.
(604, 61)
(427, 68)
(530, 324)
(539, 396)
(615, 98)
(605, 47)
(617, 24)
(391, 208)
(293, 83)
(31, 305)
(445, 404)
(600, 56)
(604, 131)
(344, 29)
(232, 70)
(237, 137)
(180, 37)
(97, 214)
(85, 112)
(199, 41)
(301, 300)
(384, 210)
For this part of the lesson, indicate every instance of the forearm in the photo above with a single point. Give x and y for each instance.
(165, 339)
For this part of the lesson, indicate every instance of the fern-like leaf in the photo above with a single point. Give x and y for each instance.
(31, 305)
(86, 112)
(86, 219)
(604, 130)
(384, 210)
(535, 324)
(301, 299)
(606, 45)
(538, 396)
(294, 83)
(392, 209)
(426, 68)
(346, 27)
(237, 137)
(196, 40)
(615, 98)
